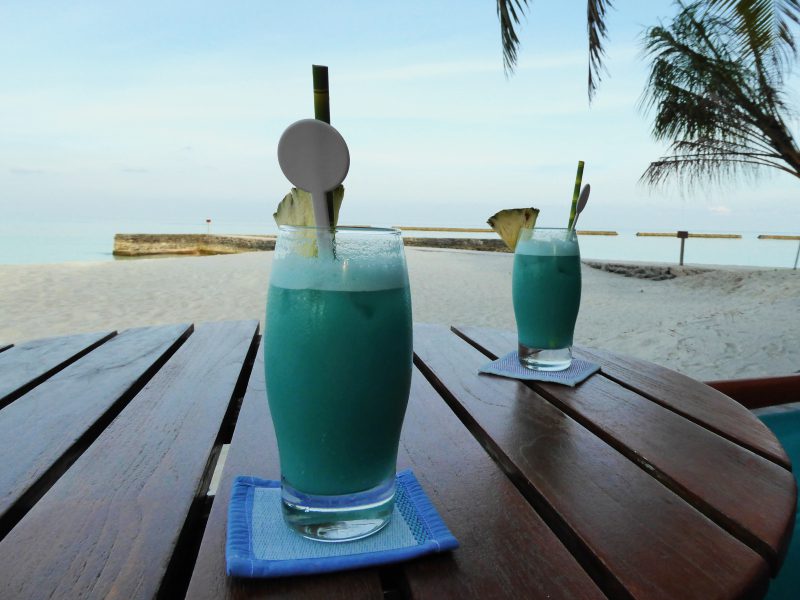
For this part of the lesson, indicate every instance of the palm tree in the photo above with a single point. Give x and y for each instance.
(760, 26)
(718, 98)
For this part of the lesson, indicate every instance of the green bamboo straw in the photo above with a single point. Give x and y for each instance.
(575, 194)
(322, 103)
(322, 112)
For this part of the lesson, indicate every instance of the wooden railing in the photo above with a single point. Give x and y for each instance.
(683, 235)
(765, 236)
(762, 391)
(486, 230)
(726, 236)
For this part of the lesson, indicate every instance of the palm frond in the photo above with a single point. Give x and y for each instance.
(598, 34)
(763, 27)
(708, 161)
(721, 108)
(508, 13)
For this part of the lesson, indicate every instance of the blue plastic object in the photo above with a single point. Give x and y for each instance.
(261, 545)
(786, 427)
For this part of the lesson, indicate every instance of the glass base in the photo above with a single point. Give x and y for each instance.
(538, 359)
(339, 518)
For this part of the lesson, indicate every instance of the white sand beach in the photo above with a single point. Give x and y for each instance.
(719, 324)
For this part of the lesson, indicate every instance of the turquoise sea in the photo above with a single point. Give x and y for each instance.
(35, 242)
(30, 242)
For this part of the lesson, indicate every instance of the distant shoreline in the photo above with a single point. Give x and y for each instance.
(37, 244)
(149, 244)
(153, 245)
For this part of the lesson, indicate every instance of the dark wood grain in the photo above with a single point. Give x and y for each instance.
(750, 496)
(700, 403)
(760, 392)
(26, 365)
(506, 550)
(637, 538)
(43, 432)
(118, 512)
(254, 451)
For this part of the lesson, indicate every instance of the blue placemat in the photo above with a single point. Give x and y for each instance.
(261, 545)
(508, 366)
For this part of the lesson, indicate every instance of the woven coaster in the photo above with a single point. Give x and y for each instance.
(260, 544)
(509, 366)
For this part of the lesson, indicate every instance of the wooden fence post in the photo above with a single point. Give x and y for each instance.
(682, 235)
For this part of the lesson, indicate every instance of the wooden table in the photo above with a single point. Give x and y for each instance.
(639, 483)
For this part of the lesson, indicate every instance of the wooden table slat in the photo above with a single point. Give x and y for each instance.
(254, 451)
(703, 404)
(118, 512)
(625, 527)
(554, 492)
(749, 495)
(26, 365)
(491, 519)
(700, 403)
(42, 432)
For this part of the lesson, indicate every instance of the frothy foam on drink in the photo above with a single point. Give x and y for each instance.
(547, 247)
(352, 274)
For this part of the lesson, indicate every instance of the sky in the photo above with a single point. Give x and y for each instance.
(172, 111)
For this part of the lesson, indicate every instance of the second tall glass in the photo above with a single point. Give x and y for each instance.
(337, 351)
(546, 290)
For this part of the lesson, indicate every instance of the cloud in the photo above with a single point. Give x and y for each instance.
(719, 210)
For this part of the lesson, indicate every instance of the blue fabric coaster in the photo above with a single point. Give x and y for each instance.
(261, 545)
(508, 366)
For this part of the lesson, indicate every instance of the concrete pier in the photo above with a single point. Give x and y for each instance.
(153, 244)
(150, 244)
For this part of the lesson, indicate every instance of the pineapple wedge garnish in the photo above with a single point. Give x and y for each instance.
(297, 209)
(510, 222)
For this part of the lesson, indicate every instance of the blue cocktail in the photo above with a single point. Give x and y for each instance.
(338, 356)
(546, 290)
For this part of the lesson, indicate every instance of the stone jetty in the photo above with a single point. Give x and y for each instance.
(154, 244)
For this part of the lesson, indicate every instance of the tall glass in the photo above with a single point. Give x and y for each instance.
(546, 290)
(337, 357)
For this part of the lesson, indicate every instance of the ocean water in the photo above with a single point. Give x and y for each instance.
(83, 240)
(36, 242)
(748, 251)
